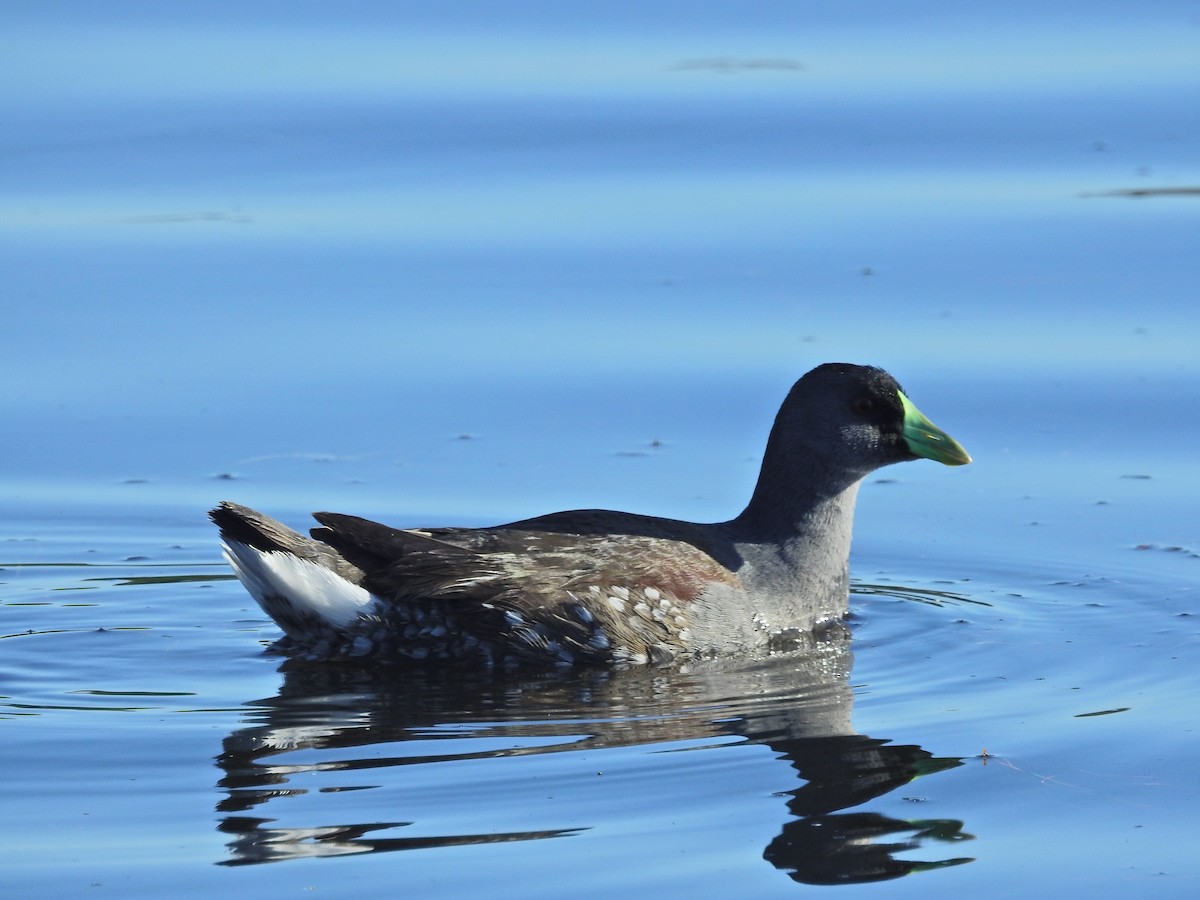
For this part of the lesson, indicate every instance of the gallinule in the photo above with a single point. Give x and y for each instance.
(597, 586)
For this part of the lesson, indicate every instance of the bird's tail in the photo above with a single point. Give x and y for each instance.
(304, 585)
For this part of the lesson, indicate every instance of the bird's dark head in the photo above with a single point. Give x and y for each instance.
(856, 419)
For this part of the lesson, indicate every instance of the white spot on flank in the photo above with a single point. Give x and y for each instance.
(617, 603)
(622, 592)
(652, 594)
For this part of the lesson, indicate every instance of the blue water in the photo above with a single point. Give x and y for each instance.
(464, 263)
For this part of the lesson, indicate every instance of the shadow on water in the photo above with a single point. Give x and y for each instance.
(797, 703)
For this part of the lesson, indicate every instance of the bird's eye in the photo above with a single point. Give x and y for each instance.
(862, 405)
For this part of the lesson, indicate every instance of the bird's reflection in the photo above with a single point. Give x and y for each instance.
(798, 703)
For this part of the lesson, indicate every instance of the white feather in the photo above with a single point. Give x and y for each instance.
(305, 585)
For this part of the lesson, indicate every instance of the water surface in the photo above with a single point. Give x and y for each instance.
(449, 265)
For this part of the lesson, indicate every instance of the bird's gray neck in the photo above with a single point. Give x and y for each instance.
(796, 561)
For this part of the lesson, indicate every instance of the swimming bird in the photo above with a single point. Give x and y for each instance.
(599, 586)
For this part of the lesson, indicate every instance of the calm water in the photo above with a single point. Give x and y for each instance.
(457, 264)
